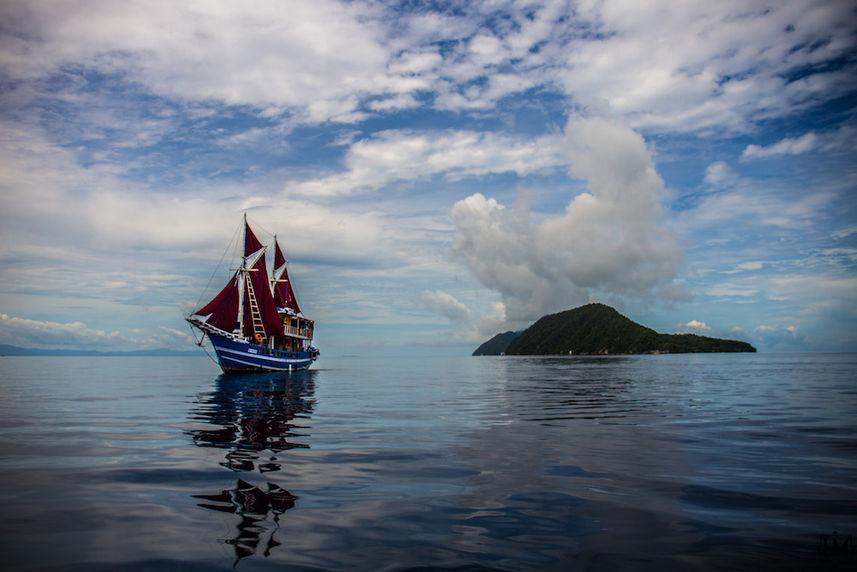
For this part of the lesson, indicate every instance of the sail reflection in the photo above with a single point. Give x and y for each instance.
(254, 418)
(254, 504)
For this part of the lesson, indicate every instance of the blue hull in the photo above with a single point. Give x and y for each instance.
(243, 357)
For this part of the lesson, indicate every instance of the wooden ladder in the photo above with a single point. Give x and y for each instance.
(258, 325)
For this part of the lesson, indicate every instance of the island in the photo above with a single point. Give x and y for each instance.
(598, 329)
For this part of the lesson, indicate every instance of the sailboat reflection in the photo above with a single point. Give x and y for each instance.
(253, 504)
(253, 417)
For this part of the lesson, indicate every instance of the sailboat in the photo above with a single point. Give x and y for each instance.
(255, 323)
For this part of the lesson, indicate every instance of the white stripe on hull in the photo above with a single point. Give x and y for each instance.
(276, 360)
(244, 360)
(257, 366)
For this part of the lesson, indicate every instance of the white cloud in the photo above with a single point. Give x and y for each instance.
(778, 337)
(694, 326)
(323, 60)
(48, 199)
(697, 66)
(491, 323)
(842, 139)
(757, 205)
(70, 233)
(445, 304)
(817, 294)
(464, 328)
(168, 338)
(795, 146)
(720, 174)
(110, 109)
(24, 332)
(608, 240)
(402, 101)
(29, 333)
(727, 290)
(844, 232)
(391, 156)
(311, 56)
(745, 267)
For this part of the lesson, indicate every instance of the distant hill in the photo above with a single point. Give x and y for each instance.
(496, 345)
(7, 350)
(597, 329)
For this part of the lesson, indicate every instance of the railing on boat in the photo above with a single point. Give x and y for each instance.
(298, 332)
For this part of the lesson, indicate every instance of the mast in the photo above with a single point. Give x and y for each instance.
(247, 298)
(254, 322)
(284, 293)
(241, 280)
(260, 320)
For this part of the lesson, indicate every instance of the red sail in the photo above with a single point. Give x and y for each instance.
(224, 307)
(251, 243)
(279, 259)
(284, 294)
(267, 310)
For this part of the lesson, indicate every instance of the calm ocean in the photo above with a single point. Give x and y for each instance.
(672, 462)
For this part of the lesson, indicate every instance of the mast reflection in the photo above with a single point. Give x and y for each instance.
(254, 418)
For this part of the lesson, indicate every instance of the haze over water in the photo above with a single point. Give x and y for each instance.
(696, 462)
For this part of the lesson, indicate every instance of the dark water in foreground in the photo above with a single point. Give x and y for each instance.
(694, 462)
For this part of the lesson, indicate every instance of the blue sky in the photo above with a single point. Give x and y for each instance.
(438, 172)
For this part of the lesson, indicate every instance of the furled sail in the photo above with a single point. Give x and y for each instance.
(284, 294)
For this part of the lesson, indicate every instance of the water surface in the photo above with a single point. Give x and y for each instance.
(696, 462)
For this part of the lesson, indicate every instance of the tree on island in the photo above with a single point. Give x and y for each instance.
(598, 329)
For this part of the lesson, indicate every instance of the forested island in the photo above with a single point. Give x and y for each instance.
(598, 329)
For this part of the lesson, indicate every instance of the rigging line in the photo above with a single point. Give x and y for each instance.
(199, 343)
(259, 227)
(232, 245)
(266, 238)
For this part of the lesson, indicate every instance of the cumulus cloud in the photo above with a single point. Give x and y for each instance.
(609, 240)
(136, 132)
(694, 327)
(465, 329)
(445, 304)
(492, 322)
